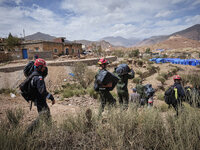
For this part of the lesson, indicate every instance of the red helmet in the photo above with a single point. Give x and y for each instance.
(177, 77)
(103, 61)
(40, 62)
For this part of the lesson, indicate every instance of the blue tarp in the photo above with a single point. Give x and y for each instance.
(193, 62)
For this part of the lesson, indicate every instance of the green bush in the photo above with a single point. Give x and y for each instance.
(83, 74)
(133, 53)
(146, 129)
(7, 91)
(137, 80)
(164, 75)
(68, 93)
(14, 116)
(163, 107)
(118, 53)
(92, 93)
(140, 63)
(161, 79)
(160, 96)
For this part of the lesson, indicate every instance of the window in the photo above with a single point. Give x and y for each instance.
(72, 51)
(55, 50)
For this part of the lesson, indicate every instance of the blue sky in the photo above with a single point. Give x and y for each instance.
(95, 19)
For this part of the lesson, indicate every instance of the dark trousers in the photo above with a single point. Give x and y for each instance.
(106, 97)
(123, 99)
(44, 115)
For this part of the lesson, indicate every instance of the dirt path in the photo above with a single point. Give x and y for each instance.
(59, 111)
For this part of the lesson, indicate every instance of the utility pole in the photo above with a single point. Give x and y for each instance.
(24, 33)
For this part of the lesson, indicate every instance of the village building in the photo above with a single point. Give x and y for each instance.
(45, 49)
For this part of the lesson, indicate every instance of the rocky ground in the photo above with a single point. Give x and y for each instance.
(69, 106)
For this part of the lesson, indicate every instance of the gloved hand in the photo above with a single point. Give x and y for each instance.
(53, 102)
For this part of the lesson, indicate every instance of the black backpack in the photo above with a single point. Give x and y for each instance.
(29, 68)
(149, 91)
(170, 96)
(122, 69)
(26, 89)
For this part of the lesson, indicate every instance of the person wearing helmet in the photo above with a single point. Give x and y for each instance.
(122, 90)
(178, 91)
(105, 95)
(40, 93)
(177, 83)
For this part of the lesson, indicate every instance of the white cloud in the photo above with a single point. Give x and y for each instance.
(193, 19)
(163, 14)
(94, 19)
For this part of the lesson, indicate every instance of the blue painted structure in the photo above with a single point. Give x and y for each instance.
(25, 54)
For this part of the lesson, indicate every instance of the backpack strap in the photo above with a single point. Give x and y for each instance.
(176, 92)
(31, 76)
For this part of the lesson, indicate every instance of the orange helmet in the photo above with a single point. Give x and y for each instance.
(177, 77)
(103, 61)
(40, 62)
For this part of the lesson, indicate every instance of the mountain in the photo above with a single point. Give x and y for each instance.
(40, 36)
(104, 44)
(120, 41)
(153, 40)
(176, 42)
(192, 33)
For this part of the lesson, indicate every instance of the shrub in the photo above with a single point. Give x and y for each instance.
(146, 129)
(14, 116)
(164, 75)
(161, 79)
(140, 63)
(137, 80)
(133, 53)
(118, 53)
(83, 74)
(152, 69)
(160, 96)
(163, 107)
(92, 93)
(7, 91)
(68, 93)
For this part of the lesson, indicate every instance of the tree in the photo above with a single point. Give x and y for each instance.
(134, 53)
(148, 50)
(12, 41)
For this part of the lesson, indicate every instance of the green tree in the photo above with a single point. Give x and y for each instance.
(12, 41)
(134, 53)
(148, 50)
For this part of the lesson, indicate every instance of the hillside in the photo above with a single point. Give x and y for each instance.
(120, 41)
(104, 44)
(40, 36)
(190, 33)
(175, 42)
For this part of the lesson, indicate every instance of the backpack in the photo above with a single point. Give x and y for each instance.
(26, 88)
(122, 69)
(140, 90)
(103, 78)
(29, 68)
(170, 95)
(149, 91)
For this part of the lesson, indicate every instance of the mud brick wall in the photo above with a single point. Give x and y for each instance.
(44, 55)
(5, 57)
